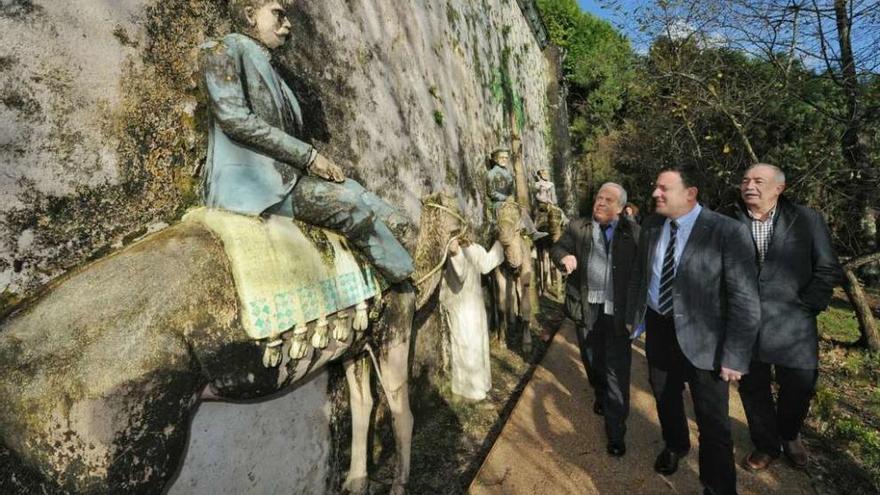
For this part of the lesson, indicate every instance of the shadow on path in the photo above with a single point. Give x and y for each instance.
(553, 443)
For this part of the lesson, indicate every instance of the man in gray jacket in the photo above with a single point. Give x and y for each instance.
(797, 274)
(598, 254)
(695, 290)
(255, 162)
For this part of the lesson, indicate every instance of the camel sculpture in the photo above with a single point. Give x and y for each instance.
(513, 279)
(551, 220)
(100, 374)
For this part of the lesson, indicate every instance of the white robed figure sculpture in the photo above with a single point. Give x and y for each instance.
(461, 300)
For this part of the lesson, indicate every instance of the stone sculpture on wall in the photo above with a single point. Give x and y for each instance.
(256, 163)
(199, 311)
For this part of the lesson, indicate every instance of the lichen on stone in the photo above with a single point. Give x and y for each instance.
(319, 239)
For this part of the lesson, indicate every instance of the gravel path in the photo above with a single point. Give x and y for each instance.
(554, 444)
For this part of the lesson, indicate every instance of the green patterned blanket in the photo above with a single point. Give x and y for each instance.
(287, 273)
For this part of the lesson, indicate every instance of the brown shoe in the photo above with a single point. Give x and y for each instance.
(796, 453)
(758, 460)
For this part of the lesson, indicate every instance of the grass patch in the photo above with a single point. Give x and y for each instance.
(838, 323)
(845, 413)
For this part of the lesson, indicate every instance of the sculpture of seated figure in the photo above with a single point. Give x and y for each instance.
(545, 190)
(500, 186)
(499, 180)
(256, 164)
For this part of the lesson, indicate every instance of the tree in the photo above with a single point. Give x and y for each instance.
(598, 71)
(782, 81)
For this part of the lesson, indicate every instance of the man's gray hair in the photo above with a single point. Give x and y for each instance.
(623, 198)
(777, 172)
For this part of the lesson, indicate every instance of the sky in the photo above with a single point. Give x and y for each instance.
(615, 17)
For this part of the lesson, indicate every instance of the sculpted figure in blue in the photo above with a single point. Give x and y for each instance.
(499, 180)
(256, 164)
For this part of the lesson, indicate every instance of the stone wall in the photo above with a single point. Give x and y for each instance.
(103, 130)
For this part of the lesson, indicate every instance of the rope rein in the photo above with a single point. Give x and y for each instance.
(464, 230)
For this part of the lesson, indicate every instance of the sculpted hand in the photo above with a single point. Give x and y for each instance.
(454, 248)
(322, 167)
(570, 263)
(729, 375)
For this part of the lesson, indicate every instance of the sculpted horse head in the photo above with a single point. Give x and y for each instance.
(100, 374)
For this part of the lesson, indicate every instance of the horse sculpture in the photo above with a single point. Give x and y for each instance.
(100, 375)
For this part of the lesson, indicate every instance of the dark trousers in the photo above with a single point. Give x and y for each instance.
(607, 357)
(773, 422)
(669, 369)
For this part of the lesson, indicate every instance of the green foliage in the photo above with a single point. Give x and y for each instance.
(598, 69)
(438, 117)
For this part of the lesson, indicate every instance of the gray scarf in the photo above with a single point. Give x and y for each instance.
(600, 289)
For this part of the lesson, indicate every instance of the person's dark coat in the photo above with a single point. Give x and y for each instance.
(717, 311)
(577, 240)
(796, 283)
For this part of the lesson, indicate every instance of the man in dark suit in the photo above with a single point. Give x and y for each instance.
(797, 274)
(597, 253)
(695, 291)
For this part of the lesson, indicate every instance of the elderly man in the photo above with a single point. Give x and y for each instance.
(695, 290)
(797, 273)
(256, 164)
(598, 253)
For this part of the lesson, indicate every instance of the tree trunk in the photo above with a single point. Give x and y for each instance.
(867, 324)
(854, 150)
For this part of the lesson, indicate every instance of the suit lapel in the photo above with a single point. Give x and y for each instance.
(653, 237)
(701, 230)
(784, 222)
(263, 69)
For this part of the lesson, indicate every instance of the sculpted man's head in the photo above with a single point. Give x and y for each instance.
(544, 174)
(264, 20)
(501, 158)
(761, 186)
(675, 193)
(609, 203)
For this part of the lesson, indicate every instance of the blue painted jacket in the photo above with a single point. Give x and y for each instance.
(254, 158)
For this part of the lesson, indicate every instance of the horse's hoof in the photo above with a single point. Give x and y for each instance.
(356, 486)
(397, 489)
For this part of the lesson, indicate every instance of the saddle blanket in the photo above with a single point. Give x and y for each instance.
(287, 273)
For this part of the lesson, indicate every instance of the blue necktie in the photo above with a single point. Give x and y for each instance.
(668, 275)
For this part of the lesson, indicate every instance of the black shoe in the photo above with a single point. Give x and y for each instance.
(599, 408)
(667, 462)
(616, 448)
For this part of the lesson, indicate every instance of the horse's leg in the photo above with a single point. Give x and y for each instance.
(357, 373)
(394, 369)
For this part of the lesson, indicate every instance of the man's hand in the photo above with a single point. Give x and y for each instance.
(570, 263)
(325, 169)
(729, 375)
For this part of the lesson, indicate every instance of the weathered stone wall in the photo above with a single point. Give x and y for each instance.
(103, 131)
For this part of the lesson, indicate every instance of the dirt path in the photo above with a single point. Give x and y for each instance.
(554, 444)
